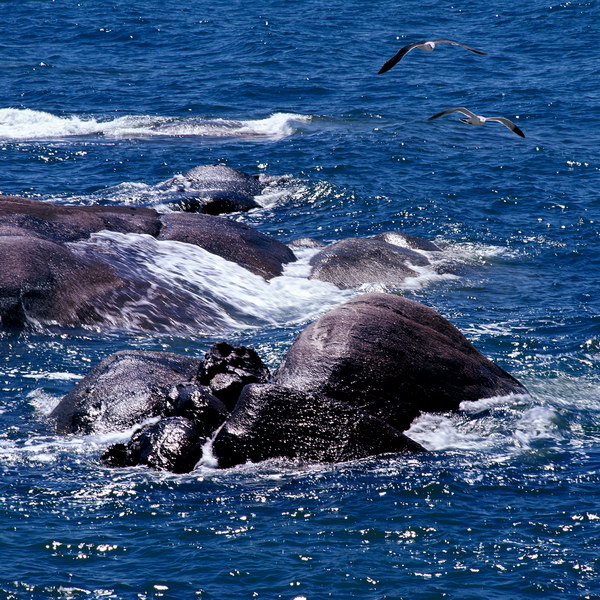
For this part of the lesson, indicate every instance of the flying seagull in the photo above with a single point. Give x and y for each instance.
(477, 119)
(428, 46)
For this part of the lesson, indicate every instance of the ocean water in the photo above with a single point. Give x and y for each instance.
(100, 101)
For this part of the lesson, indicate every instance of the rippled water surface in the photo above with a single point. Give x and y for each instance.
(101, 101)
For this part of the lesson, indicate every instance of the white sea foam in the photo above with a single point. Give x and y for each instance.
(240, 297)
(26, 124)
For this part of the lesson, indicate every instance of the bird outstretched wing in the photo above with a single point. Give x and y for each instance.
(508, 124)
(448, 111)
(398, 57)
(461, 45)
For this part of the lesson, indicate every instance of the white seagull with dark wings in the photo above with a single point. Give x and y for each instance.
(474, 119)
(428, 46)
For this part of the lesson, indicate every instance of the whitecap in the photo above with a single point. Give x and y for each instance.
(27, 124)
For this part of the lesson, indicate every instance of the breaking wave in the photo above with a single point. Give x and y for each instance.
(27, 124)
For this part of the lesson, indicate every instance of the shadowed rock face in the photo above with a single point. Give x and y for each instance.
(213, 189)
(195, 402)
(123, 390)
(172, 444)
(271, 421)
(393, 358)
(227, 369)
(355, 261)
(233, 241)
(71, 223)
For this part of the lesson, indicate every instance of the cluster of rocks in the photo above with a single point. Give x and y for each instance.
(349, 386)
(46, 279)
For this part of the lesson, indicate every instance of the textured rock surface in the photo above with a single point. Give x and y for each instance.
(226, 369)
(271, 421)
(198, 405)
(44, 282)
(355, 261)
(392, 357)
(233, 241)
(70, 223)
(172, 444)
(213, 189)
(123, 390)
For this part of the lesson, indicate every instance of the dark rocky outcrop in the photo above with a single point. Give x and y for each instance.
(271, 421)
(397, 238)
(393, 358)
(172, 444)
(355, 261)
(213, 190)
(198, 405)
(70, 223)
(253, 250)
(226, 369)
(123, 390)
(44, 282)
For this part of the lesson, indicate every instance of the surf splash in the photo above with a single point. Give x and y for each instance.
(240, 298)
(27, 124)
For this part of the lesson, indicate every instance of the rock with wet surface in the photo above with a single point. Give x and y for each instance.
(43, 282)
(271, 421)
(70, 223)
(172, 444)
(213, 190)
(404, 240)
(392, 357)
(236, 242)
(123, 390)
(353, 262)
(226, 369)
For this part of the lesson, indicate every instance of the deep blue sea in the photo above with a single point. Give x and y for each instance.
(100, 101)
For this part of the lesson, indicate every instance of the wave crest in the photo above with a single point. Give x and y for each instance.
(27, 124)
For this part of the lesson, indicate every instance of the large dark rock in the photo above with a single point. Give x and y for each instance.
(271, 421)
(392, 357)
(213, 189)
(123, 390)
(397, 238)
(44, 282)
(355, 261)
(172, 444)
(244, 245)
(226, 369)
(71, 223)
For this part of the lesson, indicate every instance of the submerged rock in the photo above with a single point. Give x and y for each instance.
(271, 421)
(213, 189)
(226, 369)
(356, 261)
(393, 358)
(123, 390)
(172, 444)
(248, 247)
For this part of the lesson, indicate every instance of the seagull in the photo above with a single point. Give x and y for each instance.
(477, 119)
(428, 46)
